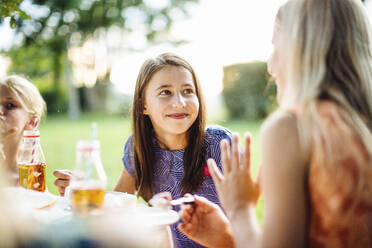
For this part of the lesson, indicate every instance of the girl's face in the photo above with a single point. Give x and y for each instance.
(171, 101)
(14, 116)
(274, 67)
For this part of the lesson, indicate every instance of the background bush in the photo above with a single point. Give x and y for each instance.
(247, 92)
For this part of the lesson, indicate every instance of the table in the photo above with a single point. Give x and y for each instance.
(138, 226)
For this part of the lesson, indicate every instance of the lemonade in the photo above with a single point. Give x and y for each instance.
(32, 176)
(86, 201)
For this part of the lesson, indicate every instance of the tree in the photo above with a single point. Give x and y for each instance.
(10, 8)
(62, 23)
(247, 92)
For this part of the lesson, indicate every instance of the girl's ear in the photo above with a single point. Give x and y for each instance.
(145, 112)
(33, 123)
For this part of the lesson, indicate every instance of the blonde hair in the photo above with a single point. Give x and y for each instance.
(328, 56)
(26, 92)
(15, 227)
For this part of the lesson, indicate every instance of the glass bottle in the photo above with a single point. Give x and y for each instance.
(88, 181)
(31, 162)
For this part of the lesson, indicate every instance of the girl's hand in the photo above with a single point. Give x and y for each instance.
(161, 200)
(63, 180)
(236, 188)
(205, 223)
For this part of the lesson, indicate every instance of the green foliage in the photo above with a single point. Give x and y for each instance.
(10, 8)
(82, 18)
(63, 23)
(59, 136)
(246, 91)
(35, 63)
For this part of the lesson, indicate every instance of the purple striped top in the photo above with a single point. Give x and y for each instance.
(169, 173)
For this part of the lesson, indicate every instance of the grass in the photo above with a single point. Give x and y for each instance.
(59, 136)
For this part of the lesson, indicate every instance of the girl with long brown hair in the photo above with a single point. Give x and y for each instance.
(170, 144)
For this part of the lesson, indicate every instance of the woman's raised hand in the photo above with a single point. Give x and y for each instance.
(236, 188)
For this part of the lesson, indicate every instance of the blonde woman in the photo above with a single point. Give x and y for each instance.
(316, 176)
(21, 107)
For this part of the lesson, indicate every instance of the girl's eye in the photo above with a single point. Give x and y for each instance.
(188, 91)
(165, 93)
(10, 105)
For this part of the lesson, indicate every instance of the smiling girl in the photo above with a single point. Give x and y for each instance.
(170, 143)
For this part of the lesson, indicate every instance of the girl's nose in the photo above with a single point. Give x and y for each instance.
(179, 101)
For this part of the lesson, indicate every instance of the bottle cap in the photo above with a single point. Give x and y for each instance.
(31, 133)
(87, 145)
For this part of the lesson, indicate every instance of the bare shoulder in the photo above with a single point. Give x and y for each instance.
(282, 124)
(280, 136)
(283, 182)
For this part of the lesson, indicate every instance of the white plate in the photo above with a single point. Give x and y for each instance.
(155, 216)
(143, 214)
(119, 201)
(30, 198)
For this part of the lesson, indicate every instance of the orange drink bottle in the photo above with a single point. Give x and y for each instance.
(88, 181)
(31, 162)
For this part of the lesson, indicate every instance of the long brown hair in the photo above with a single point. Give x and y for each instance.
(143, 132)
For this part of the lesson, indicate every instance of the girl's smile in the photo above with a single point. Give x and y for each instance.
(178, 115)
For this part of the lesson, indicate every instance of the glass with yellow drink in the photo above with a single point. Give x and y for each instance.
(31, 162)
(88, 183)
(32, 176)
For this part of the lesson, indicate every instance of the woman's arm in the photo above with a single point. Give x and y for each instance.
(283, 183)
(125, 183)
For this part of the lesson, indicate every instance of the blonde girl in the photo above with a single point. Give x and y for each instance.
(21, 107)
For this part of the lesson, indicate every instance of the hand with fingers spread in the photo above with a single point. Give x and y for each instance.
(236, 188)
(63, 180)
(203, 220)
